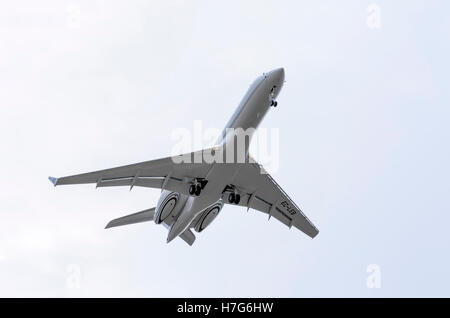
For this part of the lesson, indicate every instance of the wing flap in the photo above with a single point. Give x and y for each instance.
(167, 183)
(147, 182)
(260, 205)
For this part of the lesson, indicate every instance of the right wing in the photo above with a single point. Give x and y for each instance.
(166, 173)
(259, 191)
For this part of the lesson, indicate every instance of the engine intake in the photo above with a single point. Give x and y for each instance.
(166, 206)
(207, 216)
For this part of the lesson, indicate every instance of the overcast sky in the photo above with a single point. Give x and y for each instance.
(364, 132)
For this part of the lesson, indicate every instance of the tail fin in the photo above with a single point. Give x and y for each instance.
(188, 236)
(142, 216)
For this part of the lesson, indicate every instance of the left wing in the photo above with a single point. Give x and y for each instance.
(259, 191)
(166, 173)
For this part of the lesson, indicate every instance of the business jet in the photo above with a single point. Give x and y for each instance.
(195, 186)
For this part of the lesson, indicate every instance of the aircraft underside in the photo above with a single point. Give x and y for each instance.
(195, 188)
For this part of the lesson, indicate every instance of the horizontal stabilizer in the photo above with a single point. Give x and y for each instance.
(188, 236)
(142, 216)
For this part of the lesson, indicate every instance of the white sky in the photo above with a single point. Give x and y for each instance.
(363, 121)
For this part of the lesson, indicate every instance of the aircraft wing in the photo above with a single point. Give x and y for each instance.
(166, 173)
(259, 191)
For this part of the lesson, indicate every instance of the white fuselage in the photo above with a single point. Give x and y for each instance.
(241, 126)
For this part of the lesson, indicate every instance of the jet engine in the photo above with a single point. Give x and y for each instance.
(168, 207)
(207, 216)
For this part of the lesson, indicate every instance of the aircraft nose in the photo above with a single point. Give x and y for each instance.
(277, 74)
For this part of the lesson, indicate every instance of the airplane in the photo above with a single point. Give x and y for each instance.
(195, 186)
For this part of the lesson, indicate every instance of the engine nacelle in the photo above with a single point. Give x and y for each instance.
(168, 207)
(206, 217)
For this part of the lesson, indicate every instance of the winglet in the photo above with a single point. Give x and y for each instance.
(53, 180)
